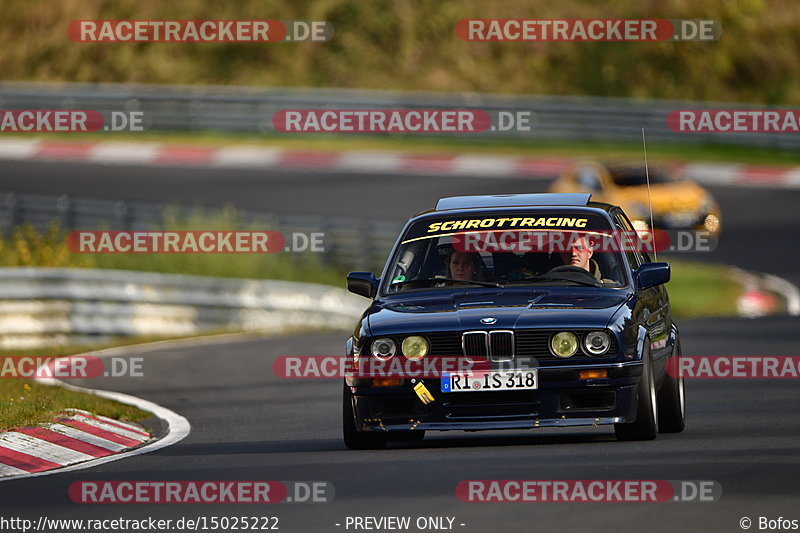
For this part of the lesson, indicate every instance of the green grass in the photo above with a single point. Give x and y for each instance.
(29, 247)
(413, 45)
(663, 152)
(701, 290)
(25, 403)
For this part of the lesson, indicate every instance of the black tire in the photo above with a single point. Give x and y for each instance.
(672, 402)
(646, 425)
(354, 439)
(406, 436)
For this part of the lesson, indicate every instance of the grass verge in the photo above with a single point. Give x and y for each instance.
(25, 403)
(702, 290)
(28, 247)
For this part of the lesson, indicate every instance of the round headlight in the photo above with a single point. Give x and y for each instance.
(711, 223)
(564, 344)
(596, 342)
(415, 347)
(383, 349)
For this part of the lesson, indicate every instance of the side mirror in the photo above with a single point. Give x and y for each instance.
(363, 283)
(652, 274)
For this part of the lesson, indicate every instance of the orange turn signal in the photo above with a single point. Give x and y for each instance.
(593, 374)
(387, 382)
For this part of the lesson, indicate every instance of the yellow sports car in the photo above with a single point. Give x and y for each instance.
(677, 203)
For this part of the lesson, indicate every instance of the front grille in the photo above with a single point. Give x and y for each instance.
(534, 343)
(522, 343)
(502, 345)
(444, 344)
(474, 344)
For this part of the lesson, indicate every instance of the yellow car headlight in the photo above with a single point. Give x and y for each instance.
(415, 347)
(711, 223)
(564, 344)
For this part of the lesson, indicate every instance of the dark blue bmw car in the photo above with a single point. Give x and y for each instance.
(564, 323)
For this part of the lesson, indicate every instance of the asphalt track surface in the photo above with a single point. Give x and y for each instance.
(248, 424)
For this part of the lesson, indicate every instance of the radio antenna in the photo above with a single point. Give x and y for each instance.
(649, 202)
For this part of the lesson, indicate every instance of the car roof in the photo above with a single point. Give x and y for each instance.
(512, 200)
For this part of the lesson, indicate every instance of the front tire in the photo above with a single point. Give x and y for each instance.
(646, 425)
(354, 439)
(671, 401)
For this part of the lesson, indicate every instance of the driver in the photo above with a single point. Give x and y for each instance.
(579, 254)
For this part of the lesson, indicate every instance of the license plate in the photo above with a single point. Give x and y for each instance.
(489, 381)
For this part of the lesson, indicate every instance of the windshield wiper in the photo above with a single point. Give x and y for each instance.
(445, 280)
(551, 277)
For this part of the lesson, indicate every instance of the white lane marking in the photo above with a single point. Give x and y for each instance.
(484, 166)
(357, 161)
(108, 427)
(712, 173)
(788, 289)
(126, 425)
(86, 437)
(124, 153)
(246, 157)
(18, 148)
(42, 449)
(792, 179)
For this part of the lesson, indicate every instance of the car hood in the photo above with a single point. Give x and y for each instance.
(463, 310)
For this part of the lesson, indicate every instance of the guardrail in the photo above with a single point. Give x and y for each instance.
(250, 110)
(349, 243)
(46, 306)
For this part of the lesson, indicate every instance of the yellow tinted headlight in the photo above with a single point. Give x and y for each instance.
(712, 223)
(415, 347)
(564, 344)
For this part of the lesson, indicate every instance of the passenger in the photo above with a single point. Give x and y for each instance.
(467, 266)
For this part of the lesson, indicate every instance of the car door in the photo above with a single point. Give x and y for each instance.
(652, 305)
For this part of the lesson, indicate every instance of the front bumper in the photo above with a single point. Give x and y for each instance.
(561, 400)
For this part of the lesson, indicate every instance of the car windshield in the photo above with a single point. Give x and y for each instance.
(636, 176)
(507, 249)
